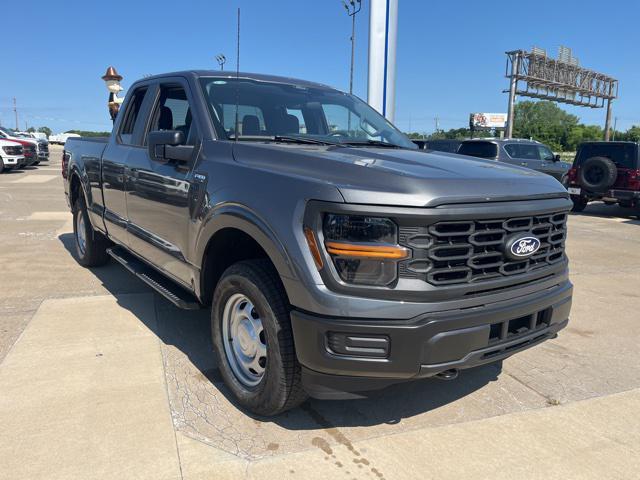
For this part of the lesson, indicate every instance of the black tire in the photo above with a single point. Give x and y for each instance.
(1, 165)
(280, 387)
(597, 174)
(37, 162)
(94, 253)
(579, 203)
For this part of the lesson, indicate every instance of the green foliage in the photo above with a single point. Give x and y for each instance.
(543, 121)
(85, 133)
(547, 123)
(46, 130)
(31, 129)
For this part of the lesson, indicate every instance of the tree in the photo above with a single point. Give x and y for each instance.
(46, 130)
(543, 121)
(31, 129)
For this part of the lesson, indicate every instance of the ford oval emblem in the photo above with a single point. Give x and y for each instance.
(522, 246)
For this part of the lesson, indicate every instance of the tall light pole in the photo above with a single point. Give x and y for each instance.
(352, 8)
(221, 59)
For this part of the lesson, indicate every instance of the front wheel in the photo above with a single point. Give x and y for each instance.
(253, 340)
(91, 246)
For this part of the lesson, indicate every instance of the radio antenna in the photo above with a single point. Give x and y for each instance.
(237, 125)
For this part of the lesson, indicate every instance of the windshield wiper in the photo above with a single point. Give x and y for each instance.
(282, 138)
(370, 143)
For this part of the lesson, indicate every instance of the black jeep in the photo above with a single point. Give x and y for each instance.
(607, 171)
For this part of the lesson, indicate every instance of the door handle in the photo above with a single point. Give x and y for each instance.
(524, 164)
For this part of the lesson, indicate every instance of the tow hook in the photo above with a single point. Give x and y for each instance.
(450, 374)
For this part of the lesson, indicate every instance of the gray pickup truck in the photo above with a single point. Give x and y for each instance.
(335, 257)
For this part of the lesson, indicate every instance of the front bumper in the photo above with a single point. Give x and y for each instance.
(13, 161)
(383, 352)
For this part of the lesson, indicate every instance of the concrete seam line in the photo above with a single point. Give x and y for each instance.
(166, 387)
(23, 331)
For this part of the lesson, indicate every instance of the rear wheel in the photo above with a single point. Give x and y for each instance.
(1, 165)
(579, 203)
(91, 246)
(253, 340)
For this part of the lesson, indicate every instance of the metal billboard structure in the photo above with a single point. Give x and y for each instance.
(559, 79)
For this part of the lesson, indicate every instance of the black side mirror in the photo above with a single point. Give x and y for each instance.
(556, 158)
(167, 145)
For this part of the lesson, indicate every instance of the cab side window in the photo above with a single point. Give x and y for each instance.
(174, 113)
(131, 116)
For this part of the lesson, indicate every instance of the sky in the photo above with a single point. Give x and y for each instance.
(450, 59)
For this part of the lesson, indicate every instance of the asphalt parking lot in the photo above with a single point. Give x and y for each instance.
(101, 378)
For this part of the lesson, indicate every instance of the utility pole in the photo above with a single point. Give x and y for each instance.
(437, 120)
(615, 124)
(352, 8)
(15, 110)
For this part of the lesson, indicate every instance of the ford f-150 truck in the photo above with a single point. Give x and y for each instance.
(335, 257)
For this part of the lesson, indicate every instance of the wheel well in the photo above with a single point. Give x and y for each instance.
(226, 247)
(74, 189)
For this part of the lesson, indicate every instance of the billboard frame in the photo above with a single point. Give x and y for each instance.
(560, 79)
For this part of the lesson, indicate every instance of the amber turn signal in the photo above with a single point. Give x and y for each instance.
(313, 247)
(393, 252)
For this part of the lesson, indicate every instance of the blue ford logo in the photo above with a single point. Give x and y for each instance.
(522, 246)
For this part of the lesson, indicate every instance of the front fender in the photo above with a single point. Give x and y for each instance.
(243, 218)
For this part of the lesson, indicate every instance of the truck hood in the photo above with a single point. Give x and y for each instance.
(402, 177)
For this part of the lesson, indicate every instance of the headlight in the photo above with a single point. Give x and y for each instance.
(364, 250)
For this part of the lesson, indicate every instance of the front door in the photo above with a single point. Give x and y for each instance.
(158, 193)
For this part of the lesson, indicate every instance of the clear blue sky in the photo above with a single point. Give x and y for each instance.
(450, 54)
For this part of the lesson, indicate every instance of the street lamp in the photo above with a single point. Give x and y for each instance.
(352, 8)
(112, 79)
(221, 59)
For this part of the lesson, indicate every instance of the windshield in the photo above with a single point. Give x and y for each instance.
(270, 110)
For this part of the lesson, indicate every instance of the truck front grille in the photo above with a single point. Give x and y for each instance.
(471, 251)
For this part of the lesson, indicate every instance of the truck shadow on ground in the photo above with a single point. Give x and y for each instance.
(190, 333)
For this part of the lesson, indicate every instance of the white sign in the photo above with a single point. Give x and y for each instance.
(489, 120)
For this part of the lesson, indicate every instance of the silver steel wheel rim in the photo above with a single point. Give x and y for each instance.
(244, 340)
(81, 233)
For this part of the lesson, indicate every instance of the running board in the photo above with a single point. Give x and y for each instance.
(166, 287)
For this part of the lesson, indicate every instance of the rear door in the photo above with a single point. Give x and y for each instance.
(158, 193)
(125, 142)
(624, 155)
(523, 155)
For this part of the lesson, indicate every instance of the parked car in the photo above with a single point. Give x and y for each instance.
(336, 258)
(30, 146)
(11, 155)
(439, 145)
(524, 153)
(607, 171)
(61, 138)
(42, 144)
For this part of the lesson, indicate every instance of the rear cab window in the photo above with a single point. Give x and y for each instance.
(479, 149)
(624, 155)
(128, 124)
